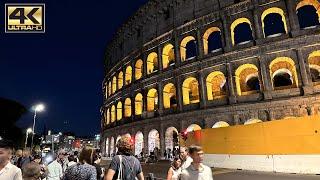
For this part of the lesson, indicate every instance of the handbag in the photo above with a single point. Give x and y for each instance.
(120, 169)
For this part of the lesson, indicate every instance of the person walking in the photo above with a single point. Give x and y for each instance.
(8, 171)
(197, 170)
(84, 170)
(186, 160)
(175, 169)
(54, 169)
(124, 166)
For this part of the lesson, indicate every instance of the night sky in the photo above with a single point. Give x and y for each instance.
(62, 68)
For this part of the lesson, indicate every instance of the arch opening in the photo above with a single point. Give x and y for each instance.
(120, 80)
(138, 69)
(220, 124)
(308, 13)
(273, 22)
(169, 96)
(212, 40)
(171, 138)
(152, 100)
(216, 85)
(152, 63)
(138, 104)
(128, 75)
(168, 56)
(153, 141)
(193, 127)
(119, 111)
(188, 48)
(247, 79)
(113, 114)
(127, 107)
(190, 91)
(138, 144)
(241, 31)
(114, 84)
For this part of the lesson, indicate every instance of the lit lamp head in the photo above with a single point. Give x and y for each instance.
(39, 107)
(29, 130)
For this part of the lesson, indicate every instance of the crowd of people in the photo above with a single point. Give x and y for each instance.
(86, 165)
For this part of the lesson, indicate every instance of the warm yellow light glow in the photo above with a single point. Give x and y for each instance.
(193, 127)
(183, 49)
(138, 104)
(152, 100)
(120, 80)
(109, 88)
(190, 91)
(314, 3)
(128, 75)
(119, 111)
(108, 116)
(127, 107)
(113, 114)
(252, 121)
(206, 36)
(242, 74)
(152, 62)
(168, 55)
(276, 11)
(215, 82)
(220, 124)
(169, 93)
(235, 24)
(114, 84)
(138, 69)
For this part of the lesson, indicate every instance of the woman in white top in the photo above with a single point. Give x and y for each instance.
(175, 169)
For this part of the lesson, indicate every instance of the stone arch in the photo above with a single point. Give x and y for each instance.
(216, 85)
(114, 84)
(152, 63)
(171, 138)
(112, 146)
(108, 116)
(106, 91)
(128, 77)
(138, 104)
(308, 9)
(212, 40)
(153, 140)
(169, 96)
(127, 107)
(190, 91)
(138, 143)
(242, 25)
(283, 73)
(120, 80)
(247, 79)
(314, 65)
(152, 100)
(220, 124)
(252, 121)
(168, 57)
(273, 22)
(113, 113)
(138, 69)
(188, 48)
(193, 127)
(119, 111)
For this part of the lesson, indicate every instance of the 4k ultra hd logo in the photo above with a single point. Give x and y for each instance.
(25, 18)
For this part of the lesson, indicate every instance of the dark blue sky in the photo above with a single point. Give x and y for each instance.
(62, 68)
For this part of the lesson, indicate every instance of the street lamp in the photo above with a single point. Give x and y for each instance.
(36, 108)
(29, 130)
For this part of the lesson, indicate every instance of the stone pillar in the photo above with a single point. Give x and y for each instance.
(133, 77)
(200, 45)
(267, 87)
(293, 18)
(202, 90)
(160, 65)
(133, 104)
(177, 49)
(179, 93)
(144, 68)
(162, 140)
(160, 98)
(145, 141)
(257, 25)
(306, 81)
(144, 103)
(124, 75)
(232, 97)
(227, 34)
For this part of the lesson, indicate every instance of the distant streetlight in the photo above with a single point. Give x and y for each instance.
(36, 108)
(29, 130)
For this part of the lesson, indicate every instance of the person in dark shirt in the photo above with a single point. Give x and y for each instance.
(124, 165)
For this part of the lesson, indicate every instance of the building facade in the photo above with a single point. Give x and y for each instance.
(184, 65)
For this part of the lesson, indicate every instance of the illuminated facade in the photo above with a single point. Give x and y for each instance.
(181, 66)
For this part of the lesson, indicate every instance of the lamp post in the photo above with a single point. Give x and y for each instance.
(29, 130)
(36, 108)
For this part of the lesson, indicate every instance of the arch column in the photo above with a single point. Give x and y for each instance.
(133, 76)
(144, 65)
(293, 18)
(200, 47)
(133, 104)
(232, 97)
(227, 34)
(160, 64)
(306, 81)
(267, 87)
(162, 140)
(144, 103)
(203, 90)
(145, 141)
(177, 50)
(179, 94)
(257, 25)
(160, 97)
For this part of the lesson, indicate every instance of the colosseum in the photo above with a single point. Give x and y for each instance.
(183, 65)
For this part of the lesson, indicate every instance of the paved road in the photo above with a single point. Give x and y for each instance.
(247, 175)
